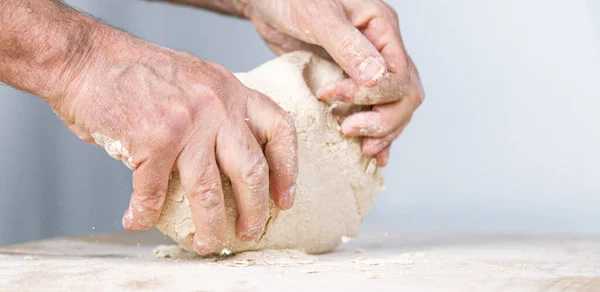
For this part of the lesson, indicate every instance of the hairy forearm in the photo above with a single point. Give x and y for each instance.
(42, 45)
(236, 8)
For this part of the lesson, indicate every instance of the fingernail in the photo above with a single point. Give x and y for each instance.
(288, 198)
(127, 219)
(371, 71)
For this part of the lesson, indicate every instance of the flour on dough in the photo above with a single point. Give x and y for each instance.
(336, 185)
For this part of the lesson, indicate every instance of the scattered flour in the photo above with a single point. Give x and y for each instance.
(172, 252)
(346, 239)
(114, 148)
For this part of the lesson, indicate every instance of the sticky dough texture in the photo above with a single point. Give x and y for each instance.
(336, 186)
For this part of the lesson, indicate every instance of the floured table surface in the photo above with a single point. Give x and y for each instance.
(377, 261)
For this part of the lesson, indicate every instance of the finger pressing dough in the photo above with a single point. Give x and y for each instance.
(336, 185)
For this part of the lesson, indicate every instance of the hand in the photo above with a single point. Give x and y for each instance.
(160, 110)
(363, 37)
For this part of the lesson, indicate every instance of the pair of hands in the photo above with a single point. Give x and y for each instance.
(172, 111)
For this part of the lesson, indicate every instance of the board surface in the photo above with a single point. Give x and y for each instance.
(376, 261)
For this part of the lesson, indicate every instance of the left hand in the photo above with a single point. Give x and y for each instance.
(363, 37)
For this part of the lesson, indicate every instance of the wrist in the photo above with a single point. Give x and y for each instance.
(75, 66)
(42, 50)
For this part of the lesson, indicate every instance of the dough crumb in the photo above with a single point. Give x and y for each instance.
(332, 107)
(270, 257)
(346, 239)
(29, 258)
(114, 148)
(225, 252)
(371, 167)
(240, 264)
(172, 252)
(382, 262)
(418, 254)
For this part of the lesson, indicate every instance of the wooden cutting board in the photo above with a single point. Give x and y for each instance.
(377, 261)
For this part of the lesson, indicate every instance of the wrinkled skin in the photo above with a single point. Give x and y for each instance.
(170, 111)
(363, 37)
(173, 111)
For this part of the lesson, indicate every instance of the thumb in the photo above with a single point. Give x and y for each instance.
(351, 50)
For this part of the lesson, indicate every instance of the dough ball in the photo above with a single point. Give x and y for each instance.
(336, 185)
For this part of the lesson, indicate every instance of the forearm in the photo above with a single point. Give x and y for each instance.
(43, 45)
(236, 8)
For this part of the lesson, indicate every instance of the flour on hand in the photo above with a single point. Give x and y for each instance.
(336, 185)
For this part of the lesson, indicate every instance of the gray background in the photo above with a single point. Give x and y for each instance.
(507, 139)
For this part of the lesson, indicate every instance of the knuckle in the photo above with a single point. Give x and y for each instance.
(207, 189)
(215, 100)
(286, 125)
(347, 43)
(148, 203)
(179, 116)
(256, 176)
(219, 74)
(162, 138)
(419, 96)
(210, 195)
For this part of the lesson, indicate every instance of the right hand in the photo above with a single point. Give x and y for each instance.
(363, 37)
(173, 111)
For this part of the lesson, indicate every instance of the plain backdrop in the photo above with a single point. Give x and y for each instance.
(507, 140)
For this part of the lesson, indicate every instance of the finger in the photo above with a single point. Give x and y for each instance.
(201, 181)
(277, 132)
(384, 33)
(242, 160)
(150, 184)
(401, 117)
(389, 89)
(369, 123)
(379, 23)
(383, 156)
(380, 29)
(379, 122)
(349, 47)
(372, 146)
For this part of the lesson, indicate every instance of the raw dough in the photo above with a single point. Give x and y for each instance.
(336, 186)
